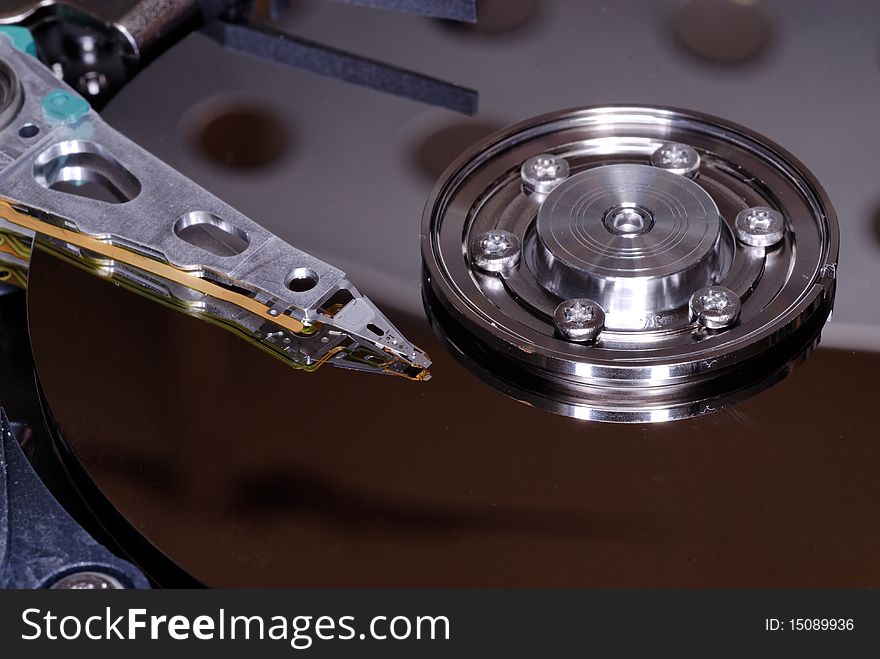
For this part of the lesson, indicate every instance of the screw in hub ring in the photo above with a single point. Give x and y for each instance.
(542, 173)
(681, 159)
(715, 307)
(496, 250)
(579, 319)
(760, 226)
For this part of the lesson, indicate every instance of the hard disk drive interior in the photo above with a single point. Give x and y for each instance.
(595, 248)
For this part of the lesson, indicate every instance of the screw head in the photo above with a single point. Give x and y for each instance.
(496, 250)
(544, 172)
(677, 158)
(92, 82)
(579, 319)
(715, 307)
(759, 226)
(89, 580)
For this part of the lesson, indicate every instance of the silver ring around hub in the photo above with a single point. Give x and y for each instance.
(637, 240)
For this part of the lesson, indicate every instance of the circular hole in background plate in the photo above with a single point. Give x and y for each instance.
(723, 32)
(242, 135)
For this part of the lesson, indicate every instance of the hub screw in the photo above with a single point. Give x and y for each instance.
(760, 226)
(579, 319)
(544, 172)
(89, 580)
(677, 158)
(715, 307)
(497, 250)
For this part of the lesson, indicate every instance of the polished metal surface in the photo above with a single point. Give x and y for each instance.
(467, 488)
(633, 232)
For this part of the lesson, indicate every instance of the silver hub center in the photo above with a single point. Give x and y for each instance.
(628, 220)
(637, 239)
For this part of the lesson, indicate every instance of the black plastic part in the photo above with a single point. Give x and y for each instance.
(455, 10)
(275, 46)
(39, 542)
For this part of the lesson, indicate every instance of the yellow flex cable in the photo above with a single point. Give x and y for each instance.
(149, 265)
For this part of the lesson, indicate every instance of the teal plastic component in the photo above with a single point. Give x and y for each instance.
(65, 107)
(21, 38)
